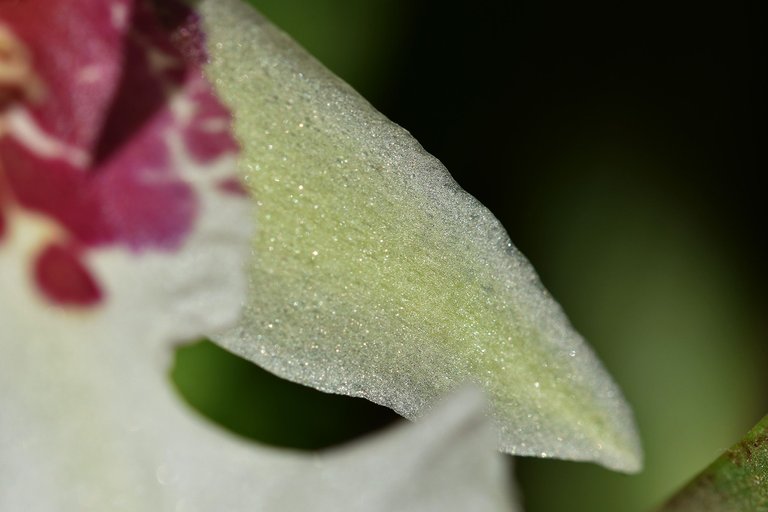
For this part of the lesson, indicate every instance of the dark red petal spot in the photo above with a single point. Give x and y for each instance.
(63, 278)
(184, 26)
(2, 212)
(147, 214)
(139, 96)
(233, 186)
(210, 133)
(56, 189)
(3, 200)
(2, 222)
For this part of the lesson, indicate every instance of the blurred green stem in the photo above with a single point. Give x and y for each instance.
(736, 482)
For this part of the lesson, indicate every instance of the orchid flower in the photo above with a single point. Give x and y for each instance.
(125, 230)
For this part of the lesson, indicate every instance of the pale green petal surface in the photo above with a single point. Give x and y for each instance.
(374, 274)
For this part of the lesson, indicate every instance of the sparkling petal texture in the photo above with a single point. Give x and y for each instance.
(373, 274)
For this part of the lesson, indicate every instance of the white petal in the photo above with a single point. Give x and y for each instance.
(373, 274)
(90, 427)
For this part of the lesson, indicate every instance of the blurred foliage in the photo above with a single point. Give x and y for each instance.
(254, 403)
(356, 40)
(665, 309)
(620, 146)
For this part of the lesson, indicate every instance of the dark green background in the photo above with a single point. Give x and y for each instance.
(623, 147)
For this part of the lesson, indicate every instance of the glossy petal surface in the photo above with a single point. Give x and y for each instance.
(375, 275)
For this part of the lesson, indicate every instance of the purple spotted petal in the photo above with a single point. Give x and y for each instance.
(107, 128)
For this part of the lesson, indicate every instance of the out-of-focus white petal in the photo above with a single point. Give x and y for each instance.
(89, 422)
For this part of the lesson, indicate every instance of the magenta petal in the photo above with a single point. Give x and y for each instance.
(209, 134)
(145, 201)
(56, 189)
(123, 88)
(76, 48)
